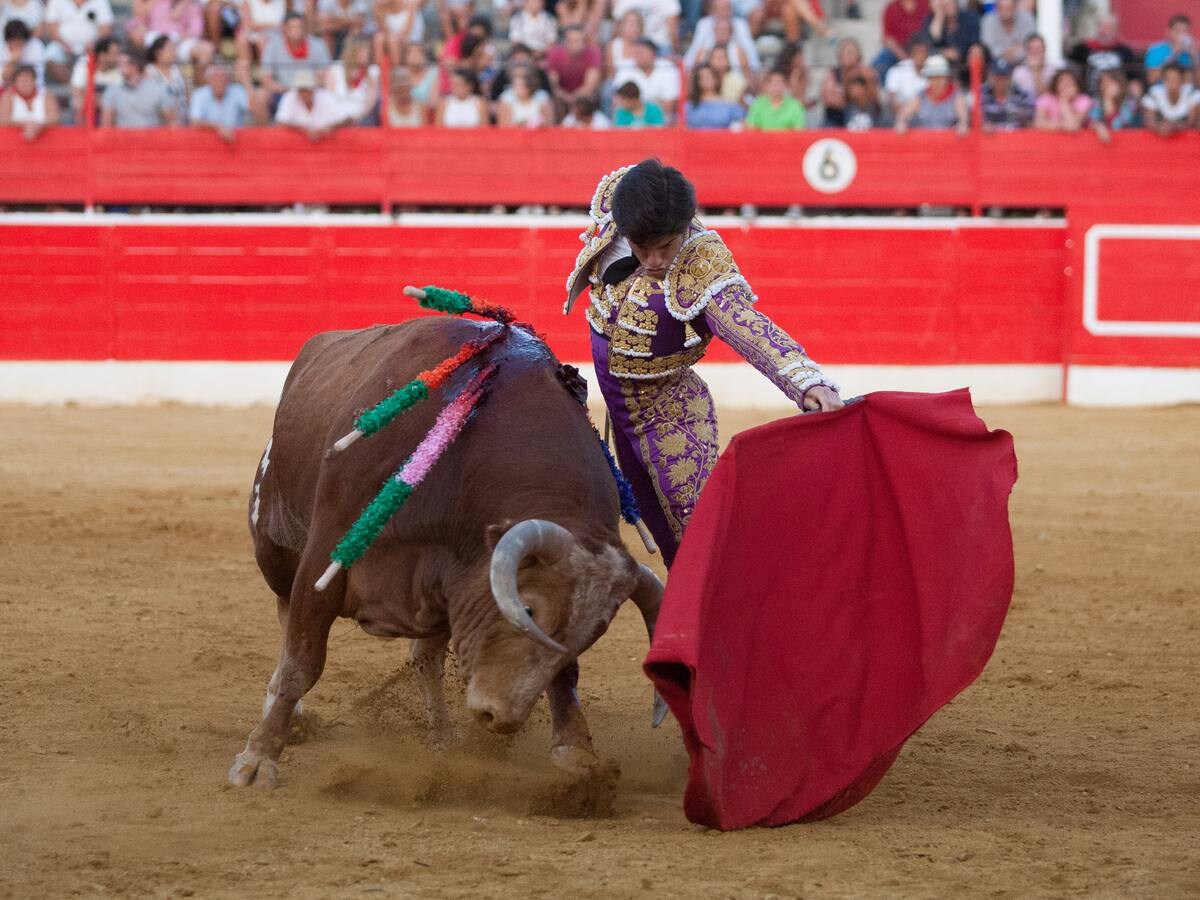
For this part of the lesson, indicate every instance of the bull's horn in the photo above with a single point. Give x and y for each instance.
(532, 537)
(647, 597)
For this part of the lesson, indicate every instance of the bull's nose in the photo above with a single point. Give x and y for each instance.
(488, 719)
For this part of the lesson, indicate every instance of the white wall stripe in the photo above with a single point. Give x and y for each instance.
(734, 385)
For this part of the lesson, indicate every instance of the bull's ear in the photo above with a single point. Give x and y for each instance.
(493, 533)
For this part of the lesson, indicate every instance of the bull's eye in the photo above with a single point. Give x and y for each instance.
(529, 611)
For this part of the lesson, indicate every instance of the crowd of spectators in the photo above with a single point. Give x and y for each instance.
(319, 65)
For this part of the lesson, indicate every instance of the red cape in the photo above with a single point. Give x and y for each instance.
(845, 574)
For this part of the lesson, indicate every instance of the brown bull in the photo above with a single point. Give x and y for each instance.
(508, 552)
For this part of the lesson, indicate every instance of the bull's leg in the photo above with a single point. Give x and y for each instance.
(306, 636)
(427, 657)
(281, 609)
(571, 744)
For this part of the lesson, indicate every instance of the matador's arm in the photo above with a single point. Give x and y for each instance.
(731, 316)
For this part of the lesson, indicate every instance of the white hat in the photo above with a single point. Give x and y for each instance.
(936, 66)
(304, 79)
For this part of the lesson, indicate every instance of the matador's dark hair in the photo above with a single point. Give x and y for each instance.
(653, 201)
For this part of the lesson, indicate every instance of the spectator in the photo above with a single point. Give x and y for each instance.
(180, 20)
(1115, 109)
(619, 51)
(1101, 53)
(940, 105)
(572, 12)
(339, 19)
(108, 73)
(776, 109)
(901, 20)
(31, 12)
(455, 16)
(1179, 47)
(28, 105)
(519, 57)
(532, 26)
(161, 67)
(136, 101)
(660, 18)
(481, 57)
(73, 27)
(833, 95)
(863, 110)
(523, 105)
(422, 75)
(289, 52)
(734, 85)
(585, 114)
(1171, 105)
(952, 31)
(354, 81)
(21, 48)
(400, 23)
(791, 62)
(745, 62)
(453, 51)
(1034, 75)
(221, 20)
(463, 108)
(404, 111)
(259, 23)
(311, 110)
(706, 108)
(630, 111)
(1065, 107)
(1006, 107)
(733, 31)
(904, 82)
(1005, 29)
(574, 67)
(795, 13)
(221, 105)
(657, 79)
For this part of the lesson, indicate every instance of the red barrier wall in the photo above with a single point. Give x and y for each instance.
(918, 296)
(448, 167)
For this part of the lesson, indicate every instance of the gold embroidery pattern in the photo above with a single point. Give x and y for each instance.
(656, 366)
(759, 341)
(703, 262)
(640, 321)
(629, 343)
(595, 241)
(677, 439)
(602, 198)
(596, 321)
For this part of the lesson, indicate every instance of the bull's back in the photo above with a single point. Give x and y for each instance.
(529, 442)
(336, 375)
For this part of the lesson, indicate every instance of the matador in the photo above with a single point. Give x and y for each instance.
(662, 286)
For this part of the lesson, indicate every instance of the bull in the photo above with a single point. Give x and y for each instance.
(509, 553)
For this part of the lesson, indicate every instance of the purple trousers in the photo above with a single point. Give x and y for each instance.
(665, 432)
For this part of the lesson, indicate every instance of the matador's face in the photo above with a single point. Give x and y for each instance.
(657, 254)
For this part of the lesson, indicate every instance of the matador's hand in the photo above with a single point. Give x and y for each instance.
(822, 398)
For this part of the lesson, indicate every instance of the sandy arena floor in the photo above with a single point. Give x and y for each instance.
(136, 638)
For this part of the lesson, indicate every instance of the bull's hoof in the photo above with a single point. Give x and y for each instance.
(573, 760)
(251, 768)
(443, 737)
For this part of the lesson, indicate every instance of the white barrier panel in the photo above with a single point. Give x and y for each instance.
(1129, 386)
(734, 385)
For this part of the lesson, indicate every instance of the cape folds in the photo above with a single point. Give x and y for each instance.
(844, 576)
